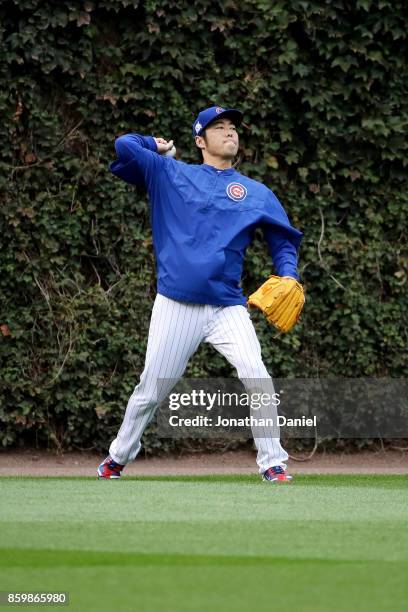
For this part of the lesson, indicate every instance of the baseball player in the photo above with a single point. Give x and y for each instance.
(203, 218)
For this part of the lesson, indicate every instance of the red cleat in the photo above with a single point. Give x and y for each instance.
(110, 469)
(276, 474)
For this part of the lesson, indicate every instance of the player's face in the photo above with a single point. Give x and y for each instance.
(221, 139)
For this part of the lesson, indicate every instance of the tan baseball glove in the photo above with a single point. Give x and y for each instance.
(281, 299)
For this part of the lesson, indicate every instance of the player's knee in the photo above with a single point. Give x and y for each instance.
(252, 370)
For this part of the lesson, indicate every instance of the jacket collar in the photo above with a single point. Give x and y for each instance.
(213, 169)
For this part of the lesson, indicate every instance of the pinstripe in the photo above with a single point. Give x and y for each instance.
(175, 332)
(235, 338)
(254, 353)
(270, 451)
(196, 336)
(260, 442)
(266, 440)
(166, 358)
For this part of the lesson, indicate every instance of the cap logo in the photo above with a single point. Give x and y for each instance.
(219, 110)
(198, 127)
(236, 192)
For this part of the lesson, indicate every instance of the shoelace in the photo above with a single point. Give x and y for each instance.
(277, 469)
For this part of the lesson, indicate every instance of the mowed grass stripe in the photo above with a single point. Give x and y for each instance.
(83, 558)
(270, 538)
(344, 480)
(215, 518)
(78, 501)
(287, 586)
(225, 544)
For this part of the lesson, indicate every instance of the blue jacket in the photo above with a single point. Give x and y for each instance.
(202, 220)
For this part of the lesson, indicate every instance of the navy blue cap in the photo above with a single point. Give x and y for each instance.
(206, 116)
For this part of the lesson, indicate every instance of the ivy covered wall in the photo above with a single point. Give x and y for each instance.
(323, 88)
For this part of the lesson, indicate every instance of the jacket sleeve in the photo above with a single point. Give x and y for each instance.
(283, 240)
(138, 162)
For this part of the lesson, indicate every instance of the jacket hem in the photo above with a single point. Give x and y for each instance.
(198, 298)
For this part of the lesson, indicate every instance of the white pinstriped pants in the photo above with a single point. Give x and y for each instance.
(176, 330)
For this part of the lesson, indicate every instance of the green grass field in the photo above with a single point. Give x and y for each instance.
(322, 543)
